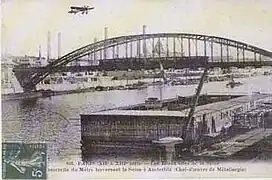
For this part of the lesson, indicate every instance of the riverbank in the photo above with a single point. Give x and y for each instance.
(64, 89)
(48, 93)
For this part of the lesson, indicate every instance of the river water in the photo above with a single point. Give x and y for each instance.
(55, 120)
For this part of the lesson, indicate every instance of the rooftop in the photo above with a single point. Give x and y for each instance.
(207, 108)
(249, 98)
(217, 106)
(212, 107)
(140, 113)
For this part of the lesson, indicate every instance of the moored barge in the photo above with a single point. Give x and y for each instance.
(133, 128)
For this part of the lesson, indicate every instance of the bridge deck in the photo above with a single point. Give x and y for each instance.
(29, 77)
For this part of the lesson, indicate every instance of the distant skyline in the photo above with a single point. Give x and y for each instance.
(25, 23)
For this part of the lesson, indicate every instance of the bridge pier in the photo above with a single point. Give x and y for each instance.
(23, 75)
(29, 89)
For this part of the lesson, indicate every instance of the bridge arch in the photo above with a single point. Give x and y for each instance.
(34, 77)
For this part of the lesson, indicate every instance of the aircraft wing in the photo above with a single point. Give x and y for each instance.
(76, 8)
(73, 11)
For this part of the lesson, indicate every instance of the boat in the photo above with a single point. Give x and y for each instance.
(153, 103)
(232, 84)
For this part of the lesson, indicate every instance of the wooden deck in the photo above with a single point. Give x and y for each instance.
(236, 144)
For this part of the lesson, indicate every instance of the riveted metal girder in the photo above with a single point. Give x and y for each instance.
(108, 43)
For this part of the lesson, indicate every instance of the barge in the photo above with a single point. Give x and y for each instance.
(21, 96)
(142, 128)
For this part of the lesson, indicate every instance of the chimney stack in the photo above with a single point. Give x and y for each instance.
(106, 33)
(144, 42)
(144, 29)
(48, 46)
(59, 45)
(105, 38)
(40, 52)
(94, 54)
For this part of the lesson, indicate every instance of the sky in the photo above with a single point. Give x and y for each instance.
(25, 23)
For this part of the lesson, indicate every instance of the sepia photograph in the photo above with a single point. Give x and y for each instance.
(136, 89)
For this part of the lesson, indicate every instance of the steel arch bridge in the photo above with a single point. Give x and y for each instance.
(176, 50)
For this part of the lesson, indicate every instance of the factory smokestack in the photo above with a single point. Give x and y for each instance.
(59, 45)
(48, 46)
(106, 33)
(94, 54)
(144, 42)
(144, 29)
(105, 38)
(40, 52)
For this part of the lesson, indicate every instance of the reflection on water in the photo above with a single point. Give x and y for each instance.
(55, 120)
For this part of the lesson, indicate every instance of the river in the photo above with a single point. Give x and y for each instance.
(55, 120)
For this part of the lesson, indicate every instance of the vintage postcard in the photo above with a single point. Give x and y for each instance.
(136, 89)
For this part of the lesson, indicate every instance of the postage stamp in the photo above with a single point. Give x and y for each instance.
(24, 160)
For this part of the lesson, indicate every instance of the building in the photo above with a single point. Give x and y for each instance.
(220, 115)
(6, 71)
(39, 62)
(132, 125)
(29, 61)
(147, 125)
